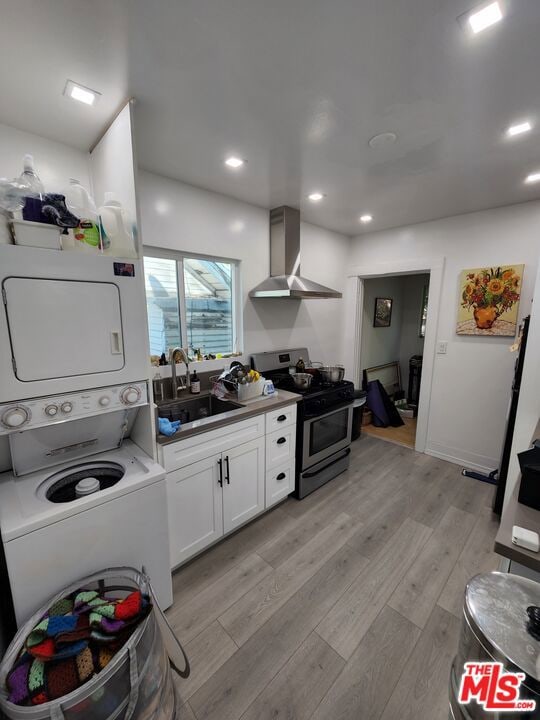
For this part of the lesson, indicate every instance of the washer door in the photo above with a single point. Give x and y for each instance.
(88, 313)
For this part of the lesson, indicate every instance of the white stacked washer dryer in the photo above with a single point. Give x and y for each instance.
(79, 497)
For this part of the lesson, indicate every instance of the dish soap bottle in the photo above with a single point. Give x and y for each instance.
(195, 384)
(86, 235)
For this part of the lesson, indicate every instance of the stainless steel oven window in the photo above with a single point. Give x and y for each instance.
(326, 434)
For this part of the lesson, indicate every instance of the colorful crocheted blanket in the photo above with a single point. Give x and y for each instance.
(75, 639)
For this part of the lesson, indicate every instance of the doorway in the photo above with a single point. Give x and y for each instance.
(353, 322)
(394, 319)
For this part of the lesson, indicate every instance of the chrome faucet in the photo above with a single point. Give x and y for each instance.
(179, 354)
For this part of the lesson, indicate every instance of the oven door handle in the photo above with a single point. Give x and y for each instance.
(313, 474)
(331, 411)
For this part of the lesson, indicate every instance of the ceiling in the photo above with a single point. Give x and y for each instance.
(297, 88)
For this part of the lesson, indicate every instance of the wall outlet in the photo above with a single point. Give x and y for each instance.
(442, 347)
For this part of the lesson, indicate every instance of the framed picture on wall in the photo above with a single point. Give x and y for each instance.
(383, 312)
(489, 300)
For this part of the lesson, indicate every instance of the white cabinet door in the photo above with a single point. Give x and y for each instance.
(195, 508)
(61, 328)
(243, 485)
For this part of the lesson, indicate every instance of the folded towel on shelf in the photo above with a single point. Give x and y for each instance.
(168, 427)
(74, 640)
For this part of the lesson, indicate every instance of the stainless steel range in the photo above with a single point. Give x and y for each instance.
(324, 419)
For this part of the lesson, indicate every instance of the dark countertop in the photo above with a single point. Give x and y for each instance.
(250, 408)
(515, 513)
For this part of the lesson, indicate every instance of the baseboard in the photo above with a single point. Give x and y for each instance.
(472, 461)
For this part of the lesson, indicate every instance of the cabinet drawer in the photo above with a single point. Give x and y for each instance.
(280, 447)
(281, 418)
(279, 484)
(197, 447)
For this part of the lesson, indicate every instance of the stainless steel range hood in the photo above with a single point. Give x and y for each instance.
(285, 279)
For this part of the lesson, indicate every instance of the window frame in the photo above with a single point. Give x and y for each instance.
(179, 256)
(423, 311)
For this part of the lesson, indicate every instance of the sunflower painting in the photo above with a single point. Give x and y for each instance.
(489, 301)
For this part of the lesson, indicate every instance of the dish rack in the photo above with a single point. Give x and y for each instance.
(232, 389)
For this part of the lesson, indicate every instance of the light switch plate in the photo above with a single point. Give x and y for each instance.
(442, 347)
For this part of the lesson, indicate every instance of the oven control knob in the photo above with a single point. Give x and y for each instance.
(51, 410)
(104, 401)
(130, 395)
(66, 407)
(15, 417)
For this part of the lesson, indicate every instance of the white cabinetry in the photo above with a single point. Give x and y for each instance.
(243, 484)
(214, 485)
(279, 484)
(280, 454)
(219, 480)
(195, 508)
(280, 447)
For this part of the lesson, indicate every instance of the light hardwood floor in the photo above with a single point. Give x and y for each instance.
(344, 606)
(402, 435)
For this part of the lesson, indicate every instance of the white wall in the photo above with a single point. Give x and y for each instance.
(181, 217)
(380, 345)
(55, 163)
(471, 383)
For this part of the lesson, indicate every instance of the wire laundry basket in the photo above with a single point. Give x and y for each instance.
(137, 683)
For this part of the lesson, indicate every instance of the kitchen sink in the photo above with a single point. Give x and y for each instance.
(195, 408)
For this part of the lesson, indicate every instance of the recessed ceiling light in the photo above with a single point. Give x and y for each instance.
(366, 218)
(234, 162)
(533, 178)
(315, 197)
(485, 17)
(80, 93)
(383, 139)
(519, 129)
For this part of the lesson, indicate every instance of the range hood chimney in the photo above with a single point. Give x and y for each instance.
(285, 279)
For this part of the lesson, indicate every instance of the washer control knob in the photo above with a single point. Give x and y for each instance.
(15, 417)
(51, 410)
(104, 401)
(66, 407)
(130, 395)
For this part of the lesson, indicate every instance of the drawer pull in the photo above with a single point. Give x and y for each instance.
(282, 418)
(281, 440)
(281, 476)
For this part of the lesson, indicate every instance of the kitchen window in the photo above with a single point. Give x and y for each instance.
(192, 301)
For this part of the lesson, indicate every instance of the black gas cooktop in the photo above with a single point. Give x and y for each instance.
(319, 397)
(284, 381)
